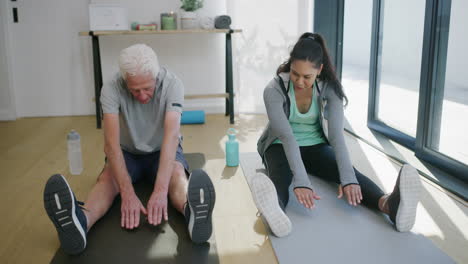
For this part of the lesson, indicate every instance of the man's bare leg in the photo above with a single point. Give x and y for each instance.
(101, 197)
(178, 187)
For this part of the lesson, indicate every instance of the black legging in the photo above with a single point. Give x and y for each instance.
(320, 161)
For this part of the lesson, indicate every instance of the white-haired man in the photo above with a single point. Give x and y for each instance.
(142, 108)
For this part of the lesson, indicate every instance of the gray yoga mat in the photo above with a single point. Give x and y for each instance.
(335, 232)
(107, 242)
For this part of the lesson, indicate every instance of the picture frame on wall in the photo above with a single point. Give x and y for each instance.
(108, 17)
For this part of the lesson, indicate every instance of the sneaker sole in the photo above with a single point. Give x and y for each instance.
(201, 200)
(410, 191)
(59, 202)
(264, 195)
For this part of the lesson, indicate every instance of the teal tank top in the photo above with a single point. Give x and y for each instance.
(306, 127)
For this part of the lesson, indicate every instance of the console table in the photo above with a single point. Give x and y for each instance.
(228, 95)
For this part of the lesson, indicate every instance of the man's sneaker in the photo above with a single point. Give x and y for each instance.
(266, 199)
(200, 203)
(403, 201)
(66, 214)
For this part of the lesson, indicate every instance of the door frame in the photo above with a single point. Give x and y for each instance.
(8, 113)
(328, 21)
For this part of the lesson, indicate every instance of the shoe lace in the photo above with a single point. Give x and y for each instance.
(81, 205)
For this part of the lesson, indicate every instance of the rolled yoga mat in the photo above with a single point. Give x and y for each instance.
(223, 22)
(335, 232)
(193, 117)
(107, 242)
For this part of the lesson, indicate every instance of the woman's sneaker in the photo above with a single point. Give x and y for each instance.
(266, 199)
(403, 201)
(201, 199)
(66, 214)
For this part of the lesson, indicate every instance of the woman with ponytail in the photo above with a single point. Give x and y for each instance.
(304, 103)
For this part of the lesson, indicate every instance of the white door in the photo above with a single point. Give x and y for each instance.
(7, 105)
(51, 65)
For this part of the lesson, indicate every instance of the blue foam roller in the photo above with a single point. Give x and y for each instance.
(193, 117)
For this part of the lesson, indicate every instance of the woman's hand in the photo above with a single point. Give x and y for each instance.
(306, 197)
(352, 192)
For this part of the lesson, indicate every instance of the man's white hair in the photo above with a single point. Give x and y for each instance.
(138, 59)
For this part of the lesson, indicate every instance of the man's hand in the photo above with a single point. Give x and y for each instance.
(306, 197)
(130, 211)
(157, 207)
(352, 192)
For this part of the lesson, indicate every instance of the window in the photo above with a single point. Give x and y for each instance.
(399, 68)
(357, 31)
(452, 139)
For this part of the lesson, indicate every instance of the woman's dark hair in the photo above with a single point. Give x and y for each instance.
(311, 47)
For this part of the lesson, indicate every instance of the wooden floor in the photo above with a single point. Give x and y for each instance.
(31, 149)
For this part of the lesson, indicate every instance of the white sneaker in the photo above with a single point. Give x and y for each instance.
(403, 201)
(266, 199)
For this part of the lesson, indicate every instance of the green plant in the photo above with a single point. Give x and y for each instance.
(191, 5)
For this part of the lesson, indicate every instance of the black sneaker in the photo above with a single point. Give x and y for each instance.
(403, 201)
(200, 203)
(66, 213)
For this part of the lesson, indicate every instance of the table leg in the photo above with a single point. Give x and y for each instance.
(229, 85)
(97, 78)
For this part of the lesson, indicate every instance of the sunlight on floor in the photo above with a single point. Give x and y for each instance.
(425, 224)
(457, 216)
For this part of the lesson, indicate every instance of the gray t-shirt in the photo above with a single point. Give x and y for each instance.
(142, 125)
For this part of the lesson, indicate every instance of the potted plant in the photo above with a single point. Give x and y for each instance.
(188, 17)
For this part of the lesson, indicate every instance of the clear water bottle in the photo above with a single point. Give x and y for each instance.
(75, 161)
(232, 149)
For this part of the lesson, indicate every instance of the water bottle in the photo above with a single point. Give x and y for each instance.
(74, 153)
(232, 149)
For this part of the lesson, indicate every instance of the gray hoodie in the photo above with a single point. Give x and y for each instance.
(331, 119)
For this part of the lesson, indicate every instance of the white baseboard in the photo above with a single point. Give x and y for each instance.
(6, 115)
(209, 108)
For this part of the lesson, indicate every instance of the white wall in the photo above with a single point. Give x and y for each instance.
(50, 63)
(7, 111)
(269, 33)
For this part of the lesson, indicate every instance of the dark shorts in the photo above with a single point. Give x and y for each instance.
(145, 166)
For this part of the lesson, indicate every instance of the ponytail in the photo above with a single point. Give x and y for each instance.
(312, 47)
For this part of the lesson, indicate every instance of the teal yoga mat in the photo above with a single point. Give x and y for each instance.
(335, 232)
(107, 242)
(193, 117)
